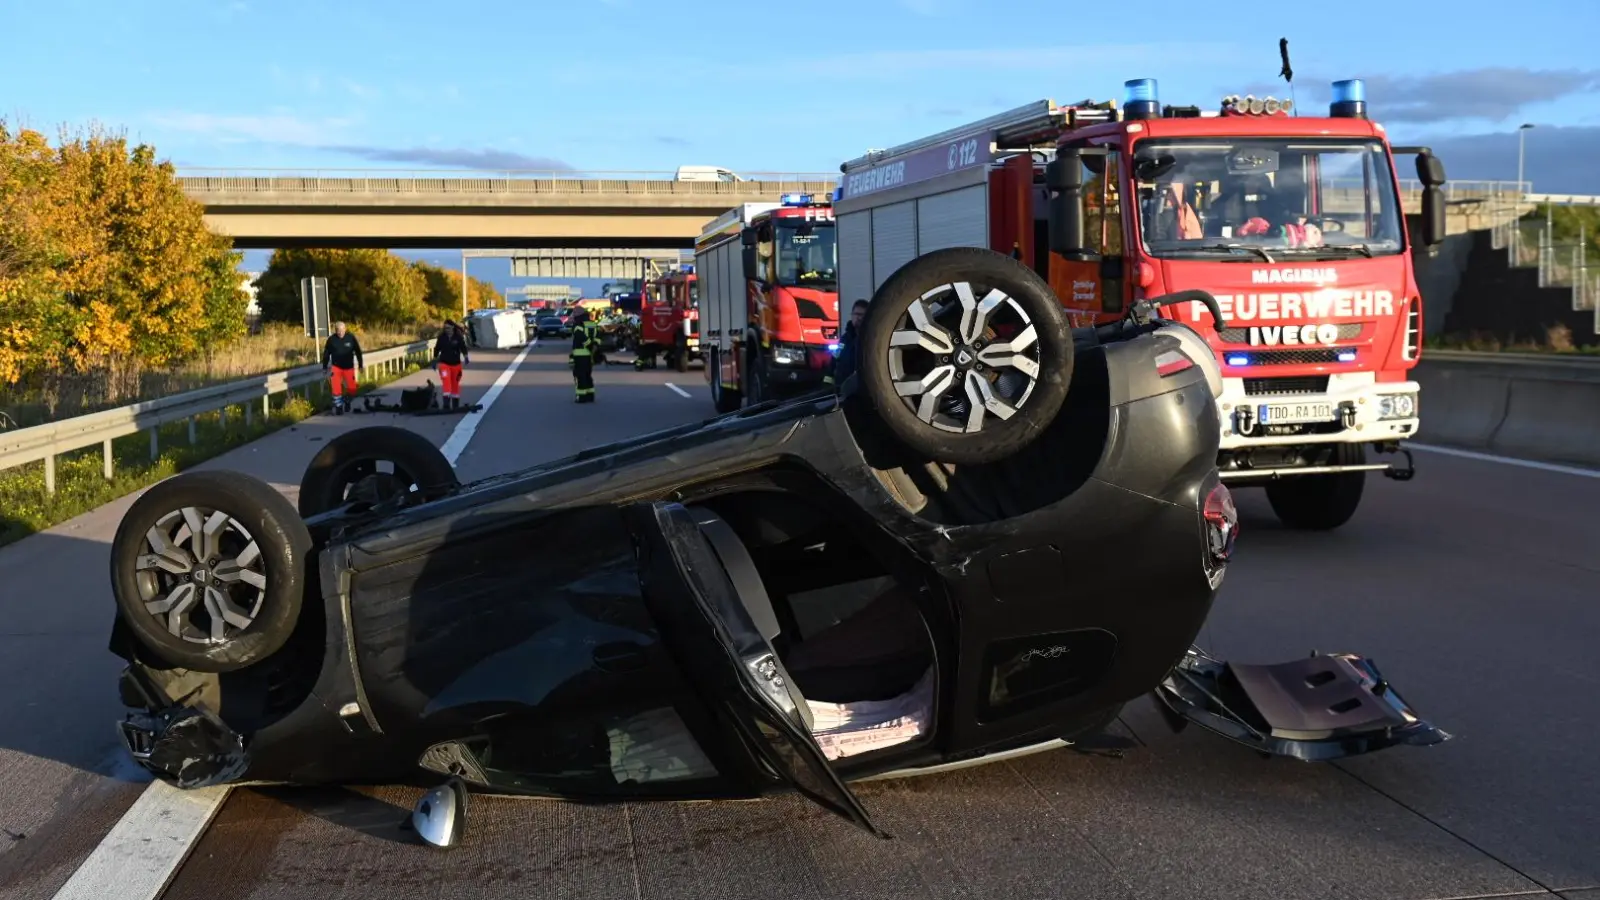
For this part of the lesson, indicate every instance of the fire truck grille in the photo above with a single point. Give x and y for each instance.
(1293, 357)
(1348, 331)
(1299, 384)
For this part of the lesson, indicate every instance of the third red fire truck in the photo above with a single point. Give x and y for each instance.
(669, 321)
(1294, 223)
(769, 307)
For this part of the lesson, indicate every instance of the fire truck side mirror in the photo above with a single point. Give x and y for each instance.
(747, 237)
(1430, 171)
(1063, 178)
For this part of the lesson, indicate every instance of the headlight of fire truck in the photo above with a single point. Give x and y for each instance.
(789, 354)
(1397, 406)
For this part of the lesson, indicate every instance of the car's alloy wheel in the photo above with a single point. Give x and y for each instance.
(201, 575)
(949, 367)
(965, 355)
(209, 570)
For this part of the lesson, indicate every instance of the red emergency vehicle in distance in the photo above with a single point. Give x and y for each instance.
(1294, 223)
(669, 323)
(769, 299)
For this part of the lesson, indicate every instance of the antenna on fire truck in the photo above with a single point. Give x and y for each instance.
(1288, 73)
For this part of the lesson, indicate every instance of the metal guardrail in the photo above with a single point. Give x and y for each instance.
(46, 442)
(1577, 362)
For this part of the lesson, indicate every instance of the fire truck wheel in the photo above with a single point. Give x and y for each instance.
(966, 355)
(680, 358)
(1321, 502)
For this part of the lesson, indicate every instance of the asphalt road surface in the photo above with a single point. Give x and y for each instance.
(1476, 587)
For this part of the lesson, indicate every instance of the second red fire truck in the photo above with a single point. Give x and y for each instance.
(769, 299)
(1294, 223)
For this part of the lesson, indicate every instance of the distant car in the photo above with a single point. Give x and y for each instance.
(994, 535)
(553, 326)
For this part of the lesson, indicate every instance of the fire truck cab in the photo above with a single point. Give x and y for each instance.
(1294, 223)
(669, 322)
(770, 299)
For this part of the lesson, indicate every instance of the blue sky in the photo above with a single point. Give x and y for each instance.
(647, 85)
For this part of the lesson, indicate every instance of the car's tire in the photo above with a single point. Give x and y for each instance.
(973, 368)
(1321, 502)
(225, 622)
(347, 469)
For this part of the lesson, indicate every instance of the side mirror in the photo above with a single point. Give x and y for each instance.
(1430, 171)
(751, 268)
(440, 816)
(747, 237)
(1063, 178)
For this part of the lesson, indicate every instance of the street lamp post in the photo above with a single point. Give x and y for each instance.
(1522, 133)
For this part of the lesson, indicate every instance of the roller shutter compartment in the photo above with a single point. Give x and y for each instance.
(958, 218)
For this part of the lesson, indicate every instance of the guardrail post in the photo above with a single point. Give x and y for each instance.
(193, 438)
(249, 416)
(155, 443)
(105, 458)
(50, 474)
(222, 419)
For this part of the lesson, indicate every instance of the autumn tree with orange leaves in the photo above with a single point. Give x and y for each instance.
(104, 261)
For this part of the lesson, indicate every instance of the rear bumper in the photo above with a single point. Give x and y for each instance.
(1316, 708)
(1356, 405)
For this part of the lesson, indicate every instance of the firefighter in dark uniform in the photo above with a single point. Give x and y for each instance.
(585, 341)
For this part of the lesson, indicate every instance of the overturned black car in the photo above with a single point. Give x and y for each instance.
(997, 532)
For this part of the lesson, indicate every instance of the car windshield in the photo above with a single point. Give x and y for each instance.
(807, 254)
(1245, 199)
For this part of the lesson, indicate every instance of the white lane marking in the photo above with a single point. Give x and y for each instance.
(1506, 460)
(679, 391)
(148, 845)
(145, 849)
(454, 447)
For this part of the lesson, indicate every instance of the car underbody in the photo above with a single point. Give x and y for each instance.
(786, 598)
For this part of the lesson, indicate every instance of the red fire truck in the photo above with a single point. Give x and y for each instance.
(669, 323)
(769, 299)
(1294, 223)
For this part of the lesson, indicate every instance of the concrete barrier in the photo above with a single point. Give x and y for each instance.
(1532, 406)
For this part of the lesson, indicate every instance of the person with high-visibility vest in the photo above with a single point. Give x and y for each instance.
(585, 341)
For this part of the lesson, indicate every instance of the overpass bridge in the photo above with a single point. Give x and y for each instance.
(555, 210)
(431, 209)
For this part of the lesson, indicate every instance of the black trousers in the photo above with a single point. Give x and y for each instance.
(583, 375)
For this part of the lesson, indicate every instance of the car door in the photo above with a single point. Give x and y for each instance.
(717, 640)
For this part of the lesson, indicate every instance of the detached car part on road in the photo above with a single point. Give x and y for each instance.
(996, 534)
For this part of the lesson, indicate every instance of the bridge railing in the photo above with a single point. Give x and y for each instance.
(389, 181)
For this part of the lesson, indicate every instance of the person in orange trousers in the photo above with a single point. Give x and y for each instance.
(449, 356)
(341, 356)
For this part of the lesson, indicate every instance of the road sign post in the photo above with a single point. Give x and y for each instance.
(314, 307)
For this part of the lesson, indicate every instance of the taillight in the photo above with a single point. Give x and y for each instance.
(1222, 524)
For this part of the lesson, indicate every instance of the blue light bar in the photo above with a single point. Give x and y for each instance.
(796, 199)
(1347, 356)
(1139, 90)
(1353, 90)
(1238, 360)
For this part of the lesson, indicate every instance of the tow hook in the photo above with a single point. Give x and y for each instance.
(1399, 474)
(1244, 421)
(1347, 414)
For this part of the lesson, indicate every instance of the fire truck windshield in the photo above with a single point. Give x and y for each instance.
(1211, 198)
(807, 254)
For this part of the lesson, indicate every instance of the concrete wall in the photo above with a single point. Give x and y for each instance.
(1492, 298)
(1522, 405)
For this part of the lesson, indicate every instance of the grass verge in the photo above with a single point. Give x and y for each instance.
(26, 508)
